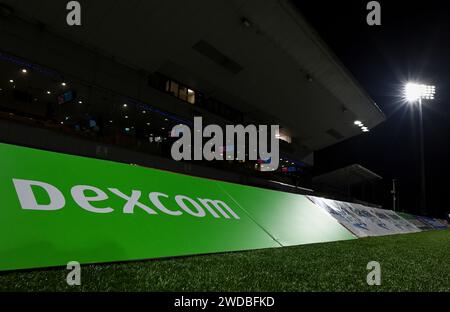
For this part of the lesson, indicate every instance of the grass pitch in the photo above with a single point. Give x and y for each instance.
(412, 262)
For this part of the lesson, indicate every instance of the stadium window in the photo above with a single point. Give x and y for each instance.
(178, 90)
(191, 96)
(167, 87)
(173, 88)
(183, 93)
(283, 135)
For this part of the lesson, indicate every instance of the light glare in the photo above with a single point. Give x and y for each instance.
(415, 91)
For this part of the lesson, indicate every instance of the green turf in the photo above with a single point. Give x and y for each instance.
(413, 262)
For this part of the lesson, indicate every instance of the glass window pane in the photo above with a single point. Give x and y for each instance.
(174, 88)
(191, 96)
(183, 93)
(167, 88)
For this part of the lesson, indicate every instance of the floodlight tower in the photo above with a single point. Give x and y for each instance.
(415, 92)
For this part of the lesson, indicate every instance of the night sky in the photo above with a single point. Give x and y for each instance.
(413, 43)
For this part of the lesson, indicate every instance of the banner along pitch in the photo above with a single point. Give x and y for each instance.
(57, 208)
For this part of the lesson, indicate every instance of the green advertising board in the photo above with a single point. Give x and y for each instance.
(57, 208)
(290, 219)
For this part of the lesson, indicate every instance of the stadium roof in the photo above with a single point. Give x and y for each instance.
(350, 175)
(259, 56)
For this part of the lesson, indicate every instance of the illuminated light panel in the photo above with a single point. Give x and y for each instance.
(415, 91)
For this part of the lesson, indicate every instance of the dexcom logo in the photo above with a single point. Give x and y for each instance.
(85, 196)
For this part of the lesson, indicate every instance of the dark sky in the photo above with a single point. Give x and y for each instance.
(413, 43)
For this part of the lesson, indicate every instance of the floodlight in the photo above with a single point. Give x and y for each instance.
(415, 91)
